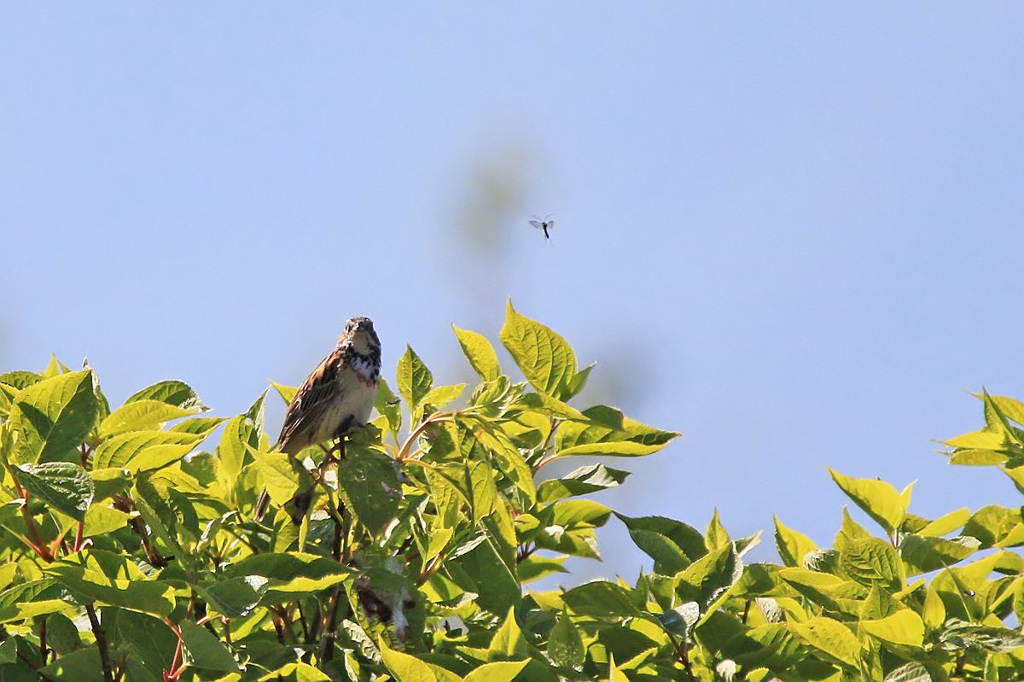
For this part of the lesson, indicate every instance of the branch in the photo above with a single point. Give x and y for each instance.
(37, 544)
(403, 454)
(682, 653)
(101, 643)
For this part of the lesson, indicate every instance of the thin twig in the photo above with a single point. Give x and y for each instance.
(101, 643)
(327, 641)
(37, 544)
(403, 454)
(42, 641)
(682, 653)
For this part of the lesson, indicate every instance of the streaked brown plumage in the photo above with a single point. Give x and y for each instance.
(336, 396)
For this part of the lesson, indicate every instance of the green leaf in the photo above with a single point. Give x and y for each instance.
(282, 475)
(154, 502)
(933, 611)
(546, 359)
(173, 392)
(414, 379)
(1011, 408)
(144, 450)
(688, 539)
(505, 456)
(442, 395)
(53, 417)
(8, 651)
(600, 599)
(614, 673)
(141, 415)
(20, 379)
(404, 667)
(200, 426)
(283, 567)
(792, 545)
(878, 499)
(508, 641)
(500, 671)
(482, 565)
(947, 523)
(925, 554)
(61, 633)
(83, 665)
(287, 393)
(235, 441)
(872, 560)
(582, 481)
(90, 578)
(623, 448)
(535, 567)
(708, 580)
(100, 520)
(64, 486)
(910, 672)
(300, 672)
(830, 637)
(148, 640)
(572, 513)
(668, 557)
(389, 406)
(903, 628)
(370, 483)
(716, 536)
(236, 597)
(565, 646)
(480, 353)
(205, 650)
(992, 523)
(578, 381)
(550, 407)
(961, 635)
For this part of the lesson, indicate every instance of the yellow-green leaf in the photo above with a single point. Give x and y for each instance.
(500, 671)
(716, 536)
(404, 667)
(792, 545)
(903, 628)
(614, 674)
(53, 417)
(546, 359)
(414, 379)
(480, 353)
(830, 637)
(880, 500)
(141, 415)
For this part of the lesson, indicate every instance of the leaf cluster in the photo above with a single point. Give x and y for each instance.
(134, 547)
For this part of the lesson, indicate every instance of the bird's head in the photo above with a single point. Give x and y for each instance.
(360, 336)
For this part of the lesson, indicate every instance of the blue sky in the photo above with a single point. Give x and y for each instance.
(791, 232)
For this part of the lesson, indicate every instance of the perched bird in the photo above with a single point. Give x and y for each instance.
(336, 396)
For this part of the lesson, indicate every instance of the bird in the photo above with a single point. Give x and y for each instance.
(336, 397)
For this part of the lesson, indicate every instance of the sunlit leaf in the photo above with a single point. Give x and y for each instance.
(480, 353)
(64, 486)
(414, 379)
(53, 417)
(546, 359)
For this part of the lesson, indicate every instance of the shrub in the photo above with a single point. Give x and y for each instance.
(131, 553)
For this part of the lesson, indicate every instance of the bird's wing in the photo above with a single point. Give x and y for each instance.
(317, 392)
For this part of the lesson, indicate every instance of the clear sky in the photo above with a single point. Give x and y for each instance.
(792, 232)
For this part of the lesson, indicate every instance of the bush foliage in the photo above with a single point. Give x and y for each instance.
(130, 552)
